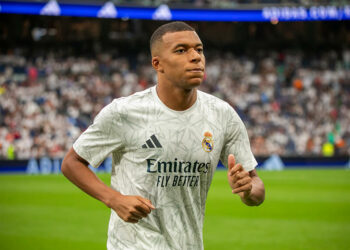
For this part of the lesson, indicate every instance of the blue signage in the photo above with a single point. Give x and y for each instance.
(163, 12)
(44, 166)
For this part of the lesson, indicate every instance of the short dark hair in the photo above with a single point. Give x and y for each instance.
(168, 28)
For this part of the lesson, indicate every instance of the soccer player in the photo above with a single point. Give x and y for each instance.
(165, 142)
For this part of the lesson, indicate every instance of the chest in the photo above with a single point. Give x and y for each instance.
(188, 137)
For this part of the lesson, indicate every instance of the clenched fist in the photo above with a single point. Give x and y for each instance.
(131, 208)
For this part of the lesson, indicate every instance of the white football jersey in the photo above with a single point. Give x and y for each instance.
(168, 157)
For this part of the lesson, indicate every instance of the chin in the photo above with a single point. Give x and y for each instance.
(191, 86)
(195, 82)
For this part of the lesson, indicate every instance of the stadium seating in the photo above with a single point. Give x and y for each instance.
(292, 104)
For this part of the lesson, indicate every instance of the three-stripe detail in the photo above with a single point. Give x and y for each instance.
(152, 143)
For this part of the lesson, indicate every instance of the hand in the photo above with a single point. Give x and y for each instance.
(239, 179)
(131, 208)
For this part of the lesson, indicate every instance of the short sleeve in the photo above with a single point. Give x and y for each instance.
(102, 137)
(237, 142)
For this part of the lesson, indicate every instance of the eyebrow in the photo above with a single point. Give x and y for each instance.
(187, 45)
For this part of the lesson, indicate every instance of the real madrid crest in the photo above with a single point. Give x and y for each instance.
(208, 143)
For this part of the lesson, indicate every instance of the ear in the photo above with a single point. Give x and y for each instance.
(156, 64)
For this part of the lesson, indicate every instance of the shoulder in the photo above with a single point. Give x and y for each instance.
(124, 106)
(133, 101)
(223, 112)
(136, 97)
(214, 103)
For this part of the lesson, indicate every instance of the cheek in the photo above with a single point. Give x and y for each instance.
(174, 67)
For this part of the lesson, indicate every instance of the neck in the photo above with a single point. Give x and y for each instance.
(176, 98)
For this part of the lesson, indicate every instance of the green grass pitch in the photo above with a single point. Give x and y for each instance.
(304, 209)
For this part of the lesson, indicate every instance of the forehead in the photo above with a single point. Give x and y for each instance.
(190, 38)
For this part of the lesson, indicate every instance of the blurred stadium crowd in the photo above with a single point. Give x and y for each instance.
(292, 104)
(289, 82)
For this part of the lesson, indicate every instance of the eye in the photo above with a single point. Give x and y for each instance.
(200, 50)
(179, 51)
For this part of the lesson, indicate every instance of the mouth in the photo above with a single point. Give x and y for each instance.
(196, 70)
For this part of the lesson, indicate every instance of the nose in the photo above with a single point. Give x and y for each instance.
(194, 56)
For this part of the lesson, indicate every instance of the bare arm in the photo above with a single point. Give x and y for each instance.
(247, 185)
(129, 208)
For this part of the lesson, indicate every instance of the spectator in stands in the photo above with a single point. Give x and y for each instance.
(290, 102)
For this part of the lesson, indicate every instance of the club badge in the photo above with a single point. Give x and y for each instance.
(208, 143)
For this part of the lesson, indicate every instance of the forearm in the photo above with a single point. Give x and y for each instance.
(128, 207)
(79, 174)
(257, 194)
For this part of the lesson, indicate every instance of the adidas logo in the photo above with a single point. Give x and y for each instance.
(152, 143)
(108, 10)
(51, 9)
(162, 13)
